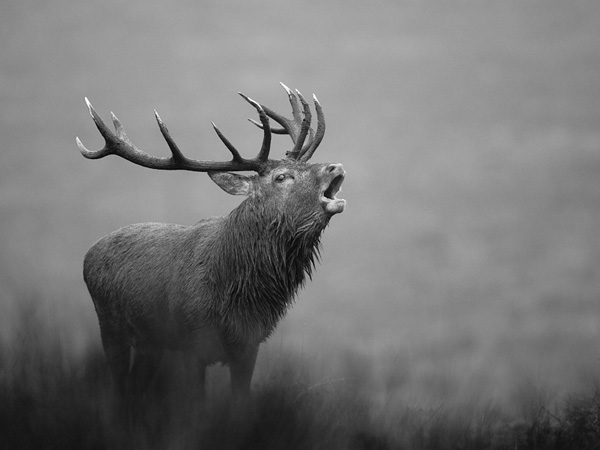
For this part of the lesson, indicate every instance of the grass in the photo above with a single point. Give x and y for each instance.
(52, 399)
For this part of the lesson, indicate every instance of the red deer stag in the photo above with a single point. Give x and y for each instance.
(214, 290)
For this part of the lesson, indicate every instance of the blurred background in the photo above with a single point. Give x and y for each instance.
(466, 266)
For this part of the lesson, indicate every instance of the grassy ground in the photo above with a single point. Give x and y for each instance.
(52, 400)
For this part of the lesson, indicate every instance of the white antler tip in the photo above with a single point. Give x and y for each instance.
(84, 151)
(255, 123)
(157, 116)
(315, 99)
(300, 96)
(252, 102)
(89, 105)
(287, 89)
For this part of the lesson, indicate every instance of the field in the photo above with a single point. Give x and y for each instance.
(50, 400)
(458, 296)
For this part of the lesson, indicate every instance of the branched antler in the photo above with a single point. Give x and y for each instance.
(299, 127)
(117, 143)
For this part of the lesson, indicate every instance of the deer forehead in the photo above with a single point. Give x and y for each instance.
(297, 168)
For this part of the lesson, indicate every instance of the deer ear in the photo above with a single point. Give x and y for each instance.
(232, 183)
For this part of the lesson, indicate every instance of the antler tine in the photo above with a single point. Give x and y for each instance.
(263, 154)
(236, 155)
(293, 102)
(319, 134)
(290, 127)
(177, 155)
(305, 141)
(117, 143)
(296, 152)
(273, 130)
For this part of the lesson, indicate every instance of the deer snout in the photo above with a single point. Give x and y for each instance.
(335, 167)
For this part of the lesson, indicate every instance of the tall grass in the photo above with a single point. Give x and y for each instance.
(51, 398)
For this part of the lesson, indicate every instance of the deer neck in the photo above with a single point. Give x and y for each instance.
(261, 262)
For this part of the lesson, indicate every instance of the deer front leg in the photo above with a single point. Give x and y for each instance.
(241, 368)
(195, 377)
(201, 381)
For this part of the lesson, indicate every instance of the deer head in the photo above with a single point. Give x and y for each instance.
(275, 180)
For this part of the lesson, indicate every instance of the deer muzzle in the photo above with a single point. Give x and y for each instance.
(334, 175)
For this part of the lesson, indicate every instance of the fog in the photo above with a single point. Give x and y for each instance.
(467, 261)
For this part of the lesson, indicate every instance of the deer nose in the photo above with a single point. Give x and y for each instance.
(337, 167)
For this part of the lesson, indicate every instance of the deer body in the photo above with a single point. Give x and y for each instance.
(217, 289)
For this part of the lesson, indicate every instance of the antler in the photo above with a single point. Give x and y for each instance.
(119, 144)
(298, 127)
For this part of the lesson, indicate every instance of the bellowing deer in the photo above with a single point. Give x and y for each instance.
(217, 289)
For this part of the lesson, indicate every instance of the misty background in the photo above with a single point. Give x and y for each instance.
(466, 265)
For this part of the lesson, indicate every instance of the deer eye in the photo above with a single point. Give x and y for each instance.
(279, 178)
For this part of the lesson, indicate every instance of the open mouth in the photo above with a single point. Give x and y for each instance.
(331, 203)
(334, 187)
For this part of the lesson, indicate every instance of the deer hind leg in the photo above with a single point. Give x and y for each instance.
(118, 352)
(145, 371)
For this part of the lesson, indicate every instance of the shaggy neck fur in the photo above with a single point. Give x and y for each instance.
(263, 258)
